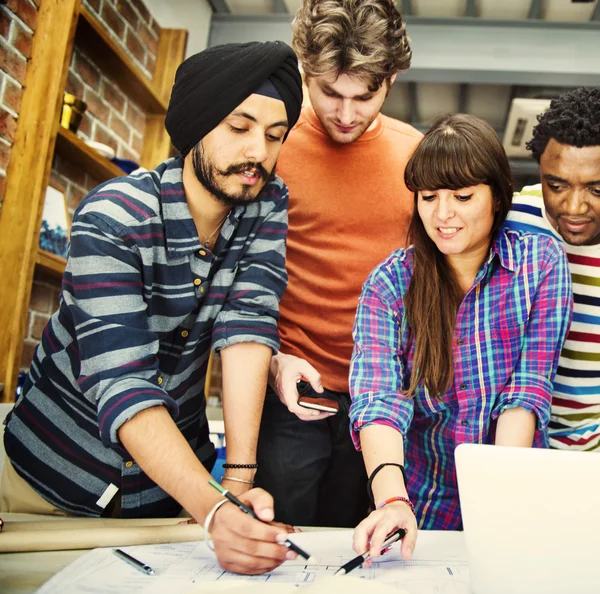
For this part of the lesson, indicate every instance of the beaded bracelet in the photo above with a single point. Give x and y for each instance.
(240, 465)
(208, 520)
(374, 473)
(403, 499)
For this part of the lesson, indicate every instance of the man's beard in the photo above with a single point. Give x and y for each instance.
(206, 174)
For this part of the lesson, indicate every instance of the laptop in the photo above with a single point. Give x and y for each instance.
(531, 519)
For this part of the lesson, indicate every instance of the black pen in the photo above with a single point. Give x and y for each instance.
(288, 543)
(134, 562)
(358, 561)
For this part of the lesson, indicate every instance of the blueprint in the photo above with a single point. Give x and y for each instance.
(438, 566)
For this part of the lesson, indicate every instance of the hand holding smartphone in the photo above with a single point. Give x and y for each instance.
(315, 402)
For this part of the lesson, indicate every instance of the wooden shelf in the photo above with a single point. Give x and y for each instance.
(94, 40)
(51, 263)
(72, 148)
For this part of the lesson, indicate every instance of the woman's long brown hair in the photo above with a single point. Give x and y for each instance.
(459, 151)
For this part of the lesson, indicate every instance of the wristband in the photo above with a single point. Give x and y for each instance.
(209, 519)
(240, 465)
(403, 499)
(374, 473)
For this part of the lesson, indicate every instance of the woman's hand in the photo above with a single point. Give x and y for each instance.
(373, 530)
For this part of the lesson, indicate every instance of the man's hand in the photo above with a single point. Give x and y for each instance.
(245, 545)
(285, 372)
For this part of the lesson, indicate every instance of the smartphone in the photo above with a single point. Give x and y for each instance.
(307, 400)
(323, 404)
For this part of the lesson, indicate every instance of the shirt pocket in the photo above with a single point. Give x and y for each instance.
(505, 352)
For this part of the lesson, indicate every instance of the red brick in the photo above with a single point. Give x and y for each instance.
(5, 22)
(148, 38)
(126, 153)
(55, 301)
(113, 19)
(38, 324)
(29, 347)
(137, 143)
(134, 45)
(4, 155)
(150, 63)
(141, 8)
(86, 125)
(87, 71)
(40, 298)
(102, 135)
(21, 39)
(74, 85)
(91, 183)
(95, 105)
(12, 63)
(136, 118)
(119, 127)
(156, 27)
(71, 172)
(74, 196)
(57, 180)
(113, 96)
(94, 4)
(12, 95)
(127, 12)
(8, 125)
(25, 10)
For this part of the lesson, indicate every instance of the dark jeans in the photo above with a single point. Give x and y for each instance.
(311, 468)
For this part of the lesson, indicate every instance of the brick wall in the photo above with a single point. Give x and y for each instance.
(18, 19)
(111, 118)
(130, 24)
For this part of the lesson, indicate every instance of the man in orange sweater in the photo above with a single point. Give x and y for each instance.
(349, 208)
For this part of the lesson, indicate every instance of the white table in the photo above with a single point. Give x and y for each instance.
(24, 573)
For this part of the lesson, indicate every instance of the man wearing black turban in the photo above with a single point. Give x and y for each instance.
(163, 265)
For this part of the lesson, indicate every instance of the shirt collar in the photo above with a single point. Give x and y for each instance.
(181, 235)
(502, 248)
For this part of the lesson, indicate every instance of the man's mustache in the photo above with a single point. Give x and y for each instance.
(233, 169)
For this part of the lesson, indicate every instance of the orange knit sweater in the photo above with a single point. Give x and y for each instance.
(348, 209)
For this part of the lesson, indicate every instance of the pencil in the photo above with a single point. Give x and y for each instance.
(288, 543)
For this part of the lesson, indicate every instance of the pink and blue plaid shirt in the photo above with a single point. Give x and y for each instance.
(509, 332)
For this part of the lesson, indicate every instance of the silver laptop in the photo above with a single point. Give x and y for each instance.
(531, 519)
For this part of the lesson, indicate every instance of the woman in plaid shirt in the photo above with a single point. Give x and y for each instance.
(457, 337)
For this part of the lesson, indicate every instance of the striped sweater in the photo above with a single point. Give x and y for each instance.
(141, 303)
(575, 421)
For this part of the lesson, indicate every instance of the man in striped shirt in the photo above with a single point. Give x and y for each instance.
(163, 264)
(566, 205)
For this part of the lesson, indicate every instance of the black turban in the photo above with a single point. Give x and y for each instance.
(210, 85)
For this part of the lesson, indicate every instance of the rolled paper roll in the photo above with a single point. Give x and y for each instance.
(63, 535)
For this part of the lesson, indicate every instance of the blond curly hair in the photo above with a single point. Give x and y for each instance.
(365, 38)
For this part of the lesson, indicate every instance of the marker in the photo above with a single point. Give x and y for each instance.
(358, 561)
(134, 562)
(288, 543)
